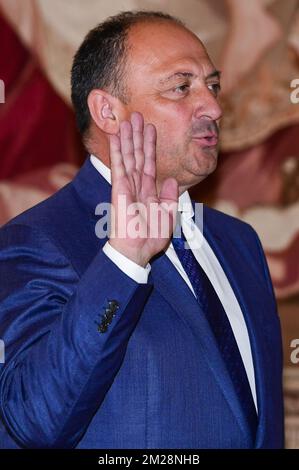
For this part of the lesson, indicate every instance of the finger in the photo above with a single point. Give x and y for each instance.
(169, 190)
(169, 194)
(137, 125)
(150, 137)
(127, 146)
(116, 159)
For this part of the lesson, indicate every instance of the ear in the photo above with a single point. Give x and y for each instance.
(104, 110)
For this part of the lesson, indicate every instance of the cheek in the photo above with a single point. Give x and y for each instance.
(173, 129)
(171, 117)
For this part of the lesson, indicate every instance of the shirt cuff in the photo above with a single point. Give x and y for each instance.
(127, 266)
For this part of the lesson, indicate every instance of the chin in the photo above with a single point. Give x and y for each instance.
(213, 163)
(206, 162)
(194, 177)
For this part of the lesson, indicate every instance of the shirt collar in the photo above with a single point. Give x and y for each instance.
(184, 203)
(185, 206)
(101, 167)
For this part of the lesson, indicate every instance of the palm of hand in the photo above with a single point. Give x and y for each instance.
(143, 221)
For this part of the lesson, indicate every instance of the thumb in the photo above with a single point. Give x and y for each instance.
(169, 190)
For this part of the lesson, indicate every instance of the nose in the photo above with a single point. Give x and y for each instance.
(206, 104)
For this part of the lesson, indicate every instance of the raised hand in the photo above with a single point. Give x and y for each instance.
(143, 220)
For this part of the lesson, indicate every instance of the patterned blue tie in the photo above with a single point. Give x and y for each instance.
(220, 326)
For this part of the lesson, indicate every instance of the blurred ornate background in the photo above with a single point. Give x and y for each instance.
(255, 44)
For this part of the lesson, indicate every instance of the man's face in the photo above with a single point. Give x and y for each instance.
(173, 83)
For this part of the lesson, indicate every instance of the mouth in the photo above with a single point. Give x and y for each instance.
(208, 140)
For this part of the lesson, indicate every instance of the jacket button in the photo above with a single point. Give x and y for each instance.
(113, 305)
(103, 328)
(109, 314)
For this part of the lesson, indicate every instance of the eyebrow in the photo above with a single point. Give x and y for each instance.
(214, 74)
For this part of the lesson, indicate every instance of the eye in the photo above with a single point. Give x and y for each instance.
(181, 89)
(215, 88)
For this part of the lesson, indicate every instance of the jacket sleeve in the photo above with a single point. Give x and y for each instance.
(65, 337)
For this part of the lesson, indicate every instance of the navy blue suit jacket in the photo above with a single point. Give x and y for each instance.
(153, 377)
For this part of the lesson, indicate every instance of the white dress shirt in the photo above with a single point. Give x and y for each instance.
(209, 263)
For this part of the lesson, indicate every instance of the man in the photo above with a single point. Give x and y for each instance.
(139, 342)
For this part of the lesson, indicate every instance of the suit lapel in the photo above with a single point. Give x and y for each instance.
(244, 283)
(91, 187)
(173, 288)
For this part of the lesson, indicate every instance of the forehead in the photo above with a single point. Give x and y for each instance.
(159, 47)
